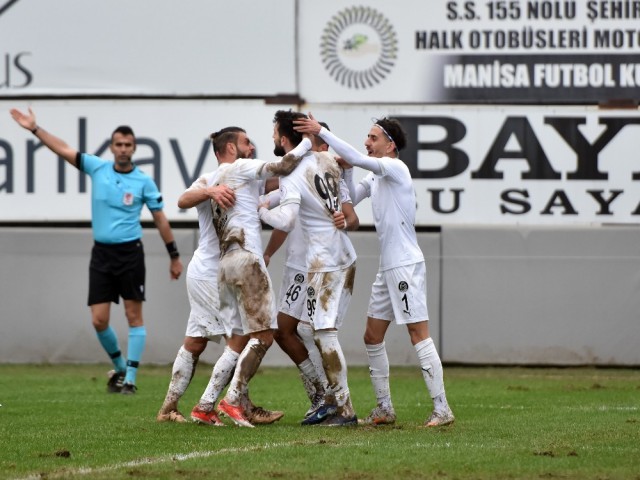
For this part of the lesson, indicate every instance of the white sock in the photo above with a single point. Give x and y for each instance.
(332, 355)
(305, 331)
(432, 372)
(246, 367)
(183, 369)
(310, 378)
(309, 389)
(379, 373)
(220, 376)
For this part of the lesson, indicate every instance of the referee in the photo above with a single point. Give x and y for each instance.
(117, 268)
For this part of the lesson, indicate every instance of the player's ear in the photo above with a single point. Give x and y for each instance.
(391, 147)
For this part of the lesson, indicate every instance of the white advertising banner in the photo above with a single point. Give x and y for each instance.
(147, 47)
(510, 165)
(498, 51)
(470, 165)
(173, 147)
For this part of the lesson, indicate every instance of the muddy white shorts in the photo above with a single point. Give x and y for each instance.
(400, 294)
(328, 297)
(203, 318)
(293, 293)
(247, 302)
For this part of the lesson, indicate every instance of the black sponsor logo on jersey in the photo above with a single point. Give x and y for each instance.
(311, 292)
(403, 286)
(299, 278)
(359, 47)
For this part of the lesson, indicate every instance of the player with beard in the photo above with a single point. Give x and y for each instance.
(399, 290)
(246, 297)
(295, 334)
(203, 324)
(310, 195)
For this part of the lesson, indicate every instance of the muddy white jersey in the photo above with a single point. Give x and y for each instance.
(204, 263)
(239, 226)
(296, 248)
(315, 186)
(393, 202)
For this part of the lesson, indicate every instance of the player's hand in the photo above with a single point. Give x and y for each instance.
(307, 125)
(339, 220)
(267, 259)
(222, 195)
(24, 120)
(175, 268)
(263, 202)
(343, 163)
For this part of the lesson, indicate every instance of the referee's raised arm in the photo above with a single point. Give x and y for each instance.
(53, 143)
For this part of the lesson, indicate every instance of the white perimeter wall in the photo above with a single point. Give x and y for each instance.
(511, 295)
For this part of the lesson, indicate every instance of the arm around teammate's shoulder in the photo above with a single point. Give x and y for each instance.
(288, 163)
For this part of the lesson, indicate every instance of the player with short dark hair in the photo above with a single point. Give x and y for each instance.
(311, 196)
(246, 297)
(295, 334)
(399, 290)
(117, 268)
(204, 324)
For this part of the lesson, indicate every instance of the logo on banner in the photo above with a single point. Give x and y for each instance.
(13, 73)
(5, 5)
(359, 47)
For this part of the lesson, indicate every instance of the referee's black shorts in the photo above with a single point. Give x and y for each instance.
(116, 270)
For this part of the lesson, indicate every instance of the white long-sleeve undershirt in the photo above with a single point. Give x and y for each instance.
(351, 155)
(282, 218)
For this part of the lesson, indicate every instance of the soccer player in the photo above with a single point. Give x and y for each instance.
(117, 267)
(247, 303)
(399, 290)
(311, 194)
(203, 324)
(295, 334)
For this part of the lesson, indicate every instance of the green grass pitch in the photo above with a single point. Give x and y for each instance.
(58, 422)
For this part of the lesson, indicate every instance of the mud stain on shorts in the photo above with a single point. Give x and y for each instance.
(350, 278)
(326, 293)
(255, 293)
